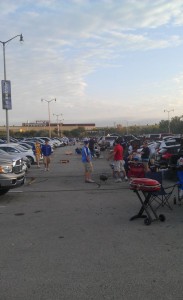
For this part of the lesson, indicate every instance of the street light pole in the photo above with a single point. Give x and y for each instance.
(4, 59)
(61, 127)
(48, 101)
(168, 111)
(57, 122)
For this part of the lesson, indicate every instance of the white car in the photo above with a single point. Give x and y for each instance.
(169, 142)
(17, 149)
(56, 142)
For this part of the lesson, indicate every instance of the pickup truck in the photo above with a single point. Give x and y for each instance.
(12, 174)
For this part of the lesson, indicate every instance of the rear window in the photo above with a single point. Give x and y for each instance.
(154, 136)
(172, 150)
(169, 143)
(110, 138)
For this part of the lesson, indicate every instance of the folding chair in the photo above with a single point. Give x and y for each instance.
(162, 196)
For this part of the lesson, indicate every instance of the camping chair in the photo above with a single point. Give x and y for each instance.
(163, 195)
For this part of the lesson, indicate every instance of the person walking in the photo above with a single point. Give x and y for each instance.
(87, 162)
(117, 155)
(37, 152)
(46, 151)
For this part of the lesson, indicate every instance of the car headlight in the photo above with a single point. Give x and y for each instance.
(6, 169)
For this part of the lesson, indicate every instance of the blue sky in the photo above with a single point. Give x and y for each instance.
(105, 61)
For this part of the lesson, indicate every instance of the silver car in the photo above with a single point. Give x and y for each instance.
(17, 149)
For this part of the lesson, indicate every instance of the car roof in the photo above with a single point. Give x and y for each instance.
(171, 146)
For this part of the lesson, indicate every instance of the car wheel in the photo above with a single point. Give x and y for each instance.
(3, 191)
(31, 159)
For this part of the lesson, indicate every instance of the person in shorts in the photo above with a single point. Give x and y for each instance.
(87, 162)
(46, 151)
(119, 163)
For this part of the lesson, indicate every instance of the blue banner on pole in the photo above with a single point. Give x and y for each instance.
(6, 94)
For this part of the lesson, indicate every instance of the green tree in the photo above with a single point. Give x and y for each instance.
(163, 126)
(176, 125)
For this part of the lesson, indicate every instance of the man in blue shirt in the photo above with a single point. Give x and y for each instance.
(86, 159)
(46, 151)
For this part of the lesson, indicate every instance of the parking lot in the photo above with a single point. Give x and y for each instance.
(62, 238)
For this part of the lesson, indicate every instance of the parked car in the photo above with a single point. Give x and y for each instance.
(174, 158)
(41, 141)
(110, 141)
(106, 141)
(31, 144)
(15, 157)
(27, 146)
(15, 148)
(44, 138)
(163, 157)
(164, 143)
(1, 141)
(57, 142)
(11, 174)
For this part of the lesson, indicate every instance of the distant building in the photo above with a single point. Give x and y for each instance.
(44, 124)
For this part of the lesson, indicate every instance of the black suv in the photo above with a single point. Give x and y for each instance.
(164, 156)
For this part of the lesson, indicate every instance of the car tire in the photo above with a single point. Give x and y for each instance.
(31, 159)
(3, 191)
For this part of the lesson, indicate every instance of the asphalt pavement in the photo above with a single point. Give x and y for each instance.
(62, 238)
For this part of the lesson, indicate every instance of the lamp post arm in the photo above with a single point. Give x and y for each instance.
(21, 37)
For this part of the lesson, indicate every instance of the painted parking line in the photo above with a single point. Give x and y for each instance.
(15, 191)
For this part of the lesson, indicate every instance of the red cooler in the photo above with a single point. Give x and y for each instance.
(144, 184)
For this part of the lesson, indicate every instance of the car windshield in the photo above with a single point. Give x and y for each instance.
(21, 148)
(26, 146)
(2, 151)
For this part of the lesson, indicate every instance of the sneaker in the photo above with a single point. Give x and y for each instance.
(118, 180)
(126, 178)
(91, 181)
(45, 169)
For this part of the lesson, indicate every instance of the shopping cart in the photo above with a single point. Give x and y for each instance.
(144, 189)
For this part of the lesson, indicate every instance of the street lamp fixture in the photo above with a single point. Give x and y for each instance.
(57, 122)
(168, 111)
(48, 101)
(8, 106)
